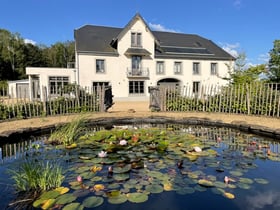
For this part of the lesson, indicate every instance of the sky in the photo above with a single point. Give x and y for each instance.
(238, 26)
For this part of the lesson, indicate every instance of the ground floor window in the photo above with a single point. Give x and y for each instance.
(136, 87)
(57, 84)
(196, 87)
(96, 84)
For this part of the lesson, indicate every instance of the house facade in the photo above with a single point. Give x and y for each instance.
(133, 58)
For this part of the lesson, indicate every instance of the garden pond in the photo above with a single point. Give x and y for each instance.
(153, 166)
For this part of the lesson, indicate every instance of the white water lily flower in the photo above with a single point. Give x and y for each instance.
(123, 142)
(102, 154)
(197, 149)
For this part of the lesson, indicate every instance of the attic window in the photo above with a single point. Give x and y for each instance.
(136, 39)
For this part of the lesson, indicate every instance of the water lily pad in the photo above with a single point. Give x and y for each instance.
(49, 195)
(81, 192)
(219, 191)
(243, 186)
(38, 203)
(71, 146)
(123, 169)
(205, 183)
(185, 190)
(154, 188)
(229, 195)
(121, 177)
(137, 197)
(200, 188)
(62, 190)
(66, 198)
(96, 178)
(118, 199)
(220, 184)
(73, 206)
(93, 201)
(113, 186)
(246, 180)
(261, 181)
(48, 203)
(84, 157)
(236, 173)
(232, 186)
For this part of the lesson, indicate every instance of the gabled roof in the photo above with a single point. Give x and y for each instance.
(136, 18)
(103, 40)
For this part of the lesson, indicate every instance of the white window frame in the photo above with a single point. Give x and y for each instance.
(178, 67)
(102, 69)
(57, 83)
(196, 68)
(214, 68)
(136, 87)
(160, 68)
(136, 39)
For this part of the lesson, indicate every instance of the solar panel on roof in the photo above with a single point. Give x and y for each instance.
(186, 50)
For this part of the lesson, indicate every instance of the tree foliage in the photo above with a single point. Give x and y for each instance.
(16, 55)
(274, 63)
(241, 74)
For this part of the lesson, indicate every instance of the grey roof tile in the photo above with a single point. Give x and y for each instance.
(98, 39)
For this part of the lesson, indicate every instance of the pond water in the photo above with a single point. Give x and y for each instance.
(157, 167)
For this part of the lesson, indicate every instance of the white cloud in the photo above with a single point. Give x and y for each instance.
(158, 27)
(264, 58)
(29, 41)
(231, 48)
(264, 199)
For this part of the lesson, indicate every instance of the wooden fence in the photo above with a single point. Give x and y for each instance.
(68, 101)
(250, 99)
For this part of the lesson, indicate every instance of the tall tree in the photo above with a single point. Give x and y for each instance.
(274, 63)
(242, 74)
(60, 54)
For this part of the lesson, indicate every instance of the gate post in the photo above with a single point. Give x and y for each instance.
(155, 100)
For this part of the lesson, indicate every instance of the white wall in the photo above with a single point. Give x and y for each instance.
(45, 73)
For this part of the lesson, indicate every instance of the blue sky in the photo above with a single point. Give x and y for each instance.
(248, 26)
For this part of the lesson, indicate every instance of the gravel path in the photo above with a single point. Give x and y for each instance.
(138, 109)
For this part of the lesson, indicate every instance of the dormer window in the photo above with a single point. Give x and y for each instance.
(136, 39)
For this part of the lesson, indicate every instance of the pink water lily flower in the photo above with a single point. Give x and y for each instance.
(123, 142)
(102, 154)
(79, 178)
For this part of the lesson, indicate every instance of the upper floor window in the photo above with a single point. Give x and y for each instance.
(136, 39)
(178, 68)
(136, 62)
(196, 68)
(160, 67)
(58, 84)
(100, 66)
(214, 69)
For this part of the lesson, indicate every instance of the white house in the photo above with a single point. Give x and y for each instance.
(132, 58)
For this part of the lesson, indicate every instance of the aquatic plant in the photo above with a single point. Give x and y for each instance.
(68, 133)
(143, 162)
(37, 176)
